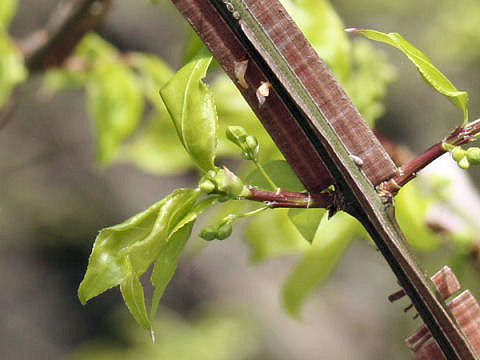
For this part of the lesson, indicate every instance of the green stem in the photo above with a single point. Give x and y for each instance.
(266, 176)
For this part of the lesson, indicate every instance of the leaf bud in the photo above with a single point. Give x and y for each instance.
(458, 153)
(473, 155)
(224, 231)
(236, 134)
(464, 163)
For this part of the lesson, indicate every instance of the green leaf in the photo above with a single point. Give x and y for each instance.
(280, 172)
(307, 221)
(411, 212)
(319, 260)
(156, 148)
(141, 238)
(167, 260)
(153, 73)
(12, 70)
(429, 72)
(191, 107)
(132, 292)
(7, 11)
(115, 102)
(271, 234)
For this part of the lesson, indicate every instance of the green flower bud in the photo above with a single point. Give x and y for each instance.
(209, 233)
(236, 134)
(224, 231)
(251, 147)
(473, 155)
(464, 163)
(206, 186)
(458, 153)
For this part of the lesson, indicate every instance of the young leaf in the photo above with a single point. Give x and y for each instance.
(271, 234)
(7, 11)
(141, 238)
(280, 172)
(306, 221)
(191, 107)
(114, 100)
(167, 260)
(429, 72)
(319, 260)
(132, 292)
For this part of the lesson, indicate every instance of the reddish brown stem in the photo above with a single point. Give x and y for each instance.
(288, 199)
(407, 172)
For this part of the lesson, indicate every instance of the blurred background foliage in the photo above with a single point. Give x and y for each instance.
(64, 177)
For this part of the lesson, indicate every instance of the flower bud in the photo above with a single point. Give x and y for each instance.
(209, 233)
(473, 155)
(464, 163)
(458, 153)
(224, 231)
(206, 186)
(252, 147)
(236, 134)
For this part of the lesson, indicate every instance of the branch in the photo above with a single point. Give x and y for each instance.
(50, 46)
(407, 172)
(313, 122)
(288, 199)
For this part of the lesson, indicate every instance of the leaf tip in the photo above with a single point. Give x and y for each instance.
(152, 335)
(352, 30)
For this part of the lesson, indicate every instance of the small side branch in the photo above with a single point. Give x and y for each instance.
(288, 199)
(407, 172)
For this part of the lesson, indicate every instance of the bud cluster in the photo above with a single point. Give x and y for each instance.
(220, 230)
(465, 158)
(223, 182)
(247, 143)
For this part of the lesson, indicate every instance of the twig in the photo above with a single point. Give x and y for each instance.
(288, 199)
(407, 172)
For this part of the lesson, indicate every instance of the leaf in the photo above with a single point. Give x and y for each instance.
(132, 292)
(306, 221)
(156, 148)
(331, 240)
(167, 261)
(7, 11)
(12, 70)
(280, 172)
(429, 72)
(153, 73)
(191, 107)
(411, 213)
(114, 101)
(271, 234)
(141, 238)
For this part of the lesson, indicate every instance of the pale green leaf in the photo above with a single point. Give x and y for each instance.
(12, 70)
(156, 148)
(141, 238)
(429, 72)
(411, 212)
(191, 107)
(280, 172)
(132, 292)
(307, 221)
(115, 102)
(167, 261)
(7, 11)
(319, 260)
(271, 234)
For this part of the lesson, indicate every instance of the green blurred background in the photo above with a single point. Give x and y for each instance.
(54, 200)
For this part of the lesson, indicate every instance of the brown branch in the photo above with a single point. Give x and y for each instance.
(288, 199)
(407, 172)
(49, 47)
